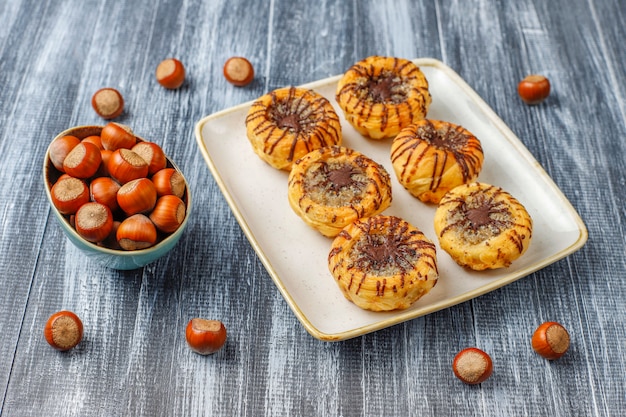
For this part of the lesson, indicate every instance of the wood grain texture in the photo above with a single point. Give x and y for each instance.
(134, 361)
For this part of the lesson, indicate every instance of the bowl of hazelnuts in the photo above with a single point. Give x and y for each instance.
(117, 197)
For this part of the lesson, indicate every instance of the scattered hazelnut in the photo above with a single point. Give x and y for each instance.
(550, 340)
(108, 103)
(472, 366)
(63, 330)
(238, 71)
(170, 73)
(534, 89)
(205, 336)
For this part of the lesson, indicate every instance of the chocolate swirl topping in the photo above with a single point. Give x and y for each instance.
(385, 88)
(337, 184)
(388, 247)
(341, 176)
(449, 137)
(479, 216)
(288, 121)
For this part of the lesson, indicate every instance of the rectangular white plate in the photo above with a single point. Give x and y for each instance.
(295, 255)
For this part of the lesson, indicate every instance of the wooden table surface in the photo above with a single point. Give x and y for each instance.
(134, 361)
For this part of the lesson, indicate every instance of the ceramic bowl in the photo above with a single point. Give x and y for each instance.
(112, 258)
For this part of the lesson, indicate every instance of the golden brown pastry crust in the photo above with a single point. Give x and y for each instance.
(331, 187)
(383, 263)
(381, 95)
(288, 123)
(481, 226)
(431, 157)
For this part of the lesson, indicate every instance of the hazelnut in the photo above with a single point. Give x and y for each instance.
(205, 336)
(69, 194)
(169, 181)
(115, 136)
(136, 232)
(94, 221)
(137, 196)
(63, 330)
(238, 71)
(168, 213)
(170, 73)
(551, 340)
(60, 148)
(472, 366)
(534, 89)
(83, 160)
(108, 103)
(153, 155)
(125, 165)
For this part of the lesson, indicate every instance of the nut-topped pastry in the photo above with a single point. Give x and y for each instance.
(383, 263)
(381, 95)
(288, 123)
(482, 226)
(431, 157)
(331, 187)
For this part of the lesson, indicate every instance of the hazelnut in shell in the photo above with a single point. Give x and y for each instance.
(534, 89)
(551, 340)
(153, 155)
(63, 330)
(472, 366)
(136, 232)
(94, 222)
(125, 165)
(104, 190)
(238, 71)
(137, 196)
(169, 181)
(59, 149)
(170, 73)
(168, 213)
(68, 194)
(116, 135)
(108, 103)
(205, 336)
(83, 160)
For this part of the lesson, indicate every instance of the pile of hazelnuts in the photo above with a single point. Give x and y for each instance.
(117, 190)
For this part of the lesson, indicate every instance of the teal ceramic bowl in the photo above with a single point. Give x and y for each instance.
(112, 258)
